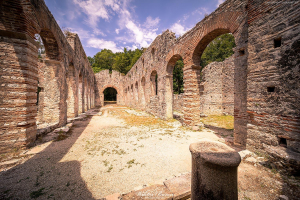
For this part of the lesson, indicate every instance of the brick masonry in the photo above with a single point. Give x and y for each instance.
(57, 74)
(261, 118)
(265, 75)
(217, 88)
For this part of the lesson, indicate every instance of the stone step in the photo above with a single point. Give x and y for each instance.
(178, 188)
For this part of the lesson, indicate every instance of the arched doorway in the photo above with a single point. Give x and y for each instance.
(217, 88)
(49, 104)
(110, 96)
(173, 83)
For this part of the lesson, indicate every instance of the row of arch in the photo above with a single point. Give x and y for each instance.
(61, 95)
(149, 84)
(46, 90)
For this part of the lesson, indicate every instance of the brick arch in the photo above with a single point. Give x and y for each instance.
(169, 85)
(50, 43)
(198, 51)
(171, 63)
(20, 21)
(72, 96)
(208, 29)
(212, 27)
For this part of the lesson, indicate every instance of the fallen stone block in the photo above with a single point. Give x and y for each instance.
(153, 192)
(115, 196)
(251, 160)
(245, 153)
(180, 186)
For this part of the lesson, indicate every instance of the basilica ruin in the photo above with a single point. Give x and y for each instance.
(258, 85)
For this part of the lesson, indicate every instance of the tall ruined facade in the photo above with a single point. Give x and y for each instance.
(38, 92)
(265, 76)
(263, 87)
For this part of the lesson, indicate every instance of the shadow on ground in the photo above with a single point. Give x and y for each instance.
(44, 177)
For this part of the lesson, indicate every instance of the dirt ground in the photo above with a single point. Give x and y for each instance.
(117, 150)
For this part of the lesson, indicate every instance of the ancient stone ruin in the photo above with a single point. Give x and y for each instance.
(259, 84)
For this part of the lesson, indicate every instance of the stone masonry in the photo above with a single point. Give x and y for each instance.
(104, 80)
(258, 84)
(56, 76)
(217, 88)
(266, 104)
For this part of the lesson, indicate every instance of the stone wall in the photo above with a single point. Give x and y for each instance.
(263, 92)
(266, 73)
(217, 88)
(22, 74)
(273, 76)
(178, 102)
(105, 79)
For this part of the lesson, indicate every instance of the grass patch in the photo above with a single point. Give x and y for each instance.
(221, 121)
(105, 162)
(109, 169)
(119, 152)
(131, 161)
(134, 120)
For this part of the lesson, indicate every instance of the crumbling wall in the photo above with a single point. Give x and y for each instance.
(105, 79)
(141, 94)
(21, 72)
(217, 88)
(228, 86)
(178, 102)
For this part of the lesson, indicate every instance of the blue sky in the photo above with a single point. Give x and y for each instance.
(115, 24)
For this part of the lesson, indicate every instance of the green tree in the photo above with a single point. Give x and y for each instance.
(91, 60)
(135, 55)
(178, 77)
(103, 60)
(122, 62)
(218, 50)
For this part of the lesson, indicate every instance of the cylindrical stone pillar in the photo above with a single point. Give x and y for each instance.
(214, 171)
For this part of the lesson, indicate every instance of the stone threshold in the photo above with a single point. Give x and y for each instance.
(178, 188)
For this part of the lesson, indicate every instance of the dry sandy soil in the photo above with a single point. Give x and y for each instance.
(117, 150)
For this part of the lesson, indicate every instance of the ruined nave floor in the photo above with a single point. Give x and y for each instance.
(117, 150)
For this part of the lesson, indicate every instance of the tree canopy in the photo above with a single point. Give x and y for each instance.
(178, 77)
(218, 50)
(120, 61)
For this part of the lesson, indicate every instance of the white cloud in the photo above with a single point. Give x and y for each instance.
(151, 22)
(96, 9)
(141, 35)
(178, 29)
(220, 2)
(183, 25)
(83, 34)
(98, 32)
(103, 44)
